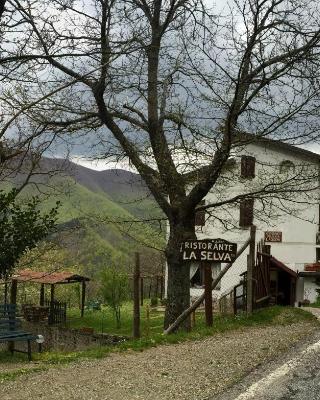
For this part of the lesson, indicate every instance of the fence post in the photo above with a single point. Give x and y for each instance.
(141, 291)
(233, 300)
(161, 287)
(250, 266)
(157, 286)
(208, 293)
(42, 294)
(13, 300)
(136, 297)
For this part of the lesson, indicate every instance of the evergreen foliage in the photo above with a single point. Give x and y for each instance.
(22, 226)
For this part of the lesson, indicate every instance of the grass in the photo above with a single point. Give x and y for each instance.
(315, 305)
(103, 321)
(269, 316)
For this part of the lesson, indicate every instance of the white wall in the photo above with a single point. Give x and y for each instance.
(309, 292)
(297, 220)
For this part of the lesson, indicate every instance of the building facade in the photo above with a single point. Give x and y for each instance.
(283, 183)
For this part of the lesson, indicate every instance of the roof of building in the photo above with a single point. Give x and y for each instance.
(247, 138)
(278, 264)
(47, 277)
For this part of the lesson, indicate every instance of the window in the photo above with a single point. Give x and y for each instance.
(248, 164)
(200, 218)
(197, 276)
(286, 166)
(246, 213)
(318, 254)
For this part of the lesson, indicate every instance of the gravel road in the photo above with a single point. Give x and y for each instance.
(295, 376)
(190, 370)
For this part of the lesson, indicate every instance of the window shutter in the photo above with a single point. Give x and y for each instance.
(248, 164)
(200, 217)
(246, 213)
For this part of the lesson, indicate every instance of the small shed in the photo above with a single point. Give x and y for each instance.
(283, 281)
(51, 278)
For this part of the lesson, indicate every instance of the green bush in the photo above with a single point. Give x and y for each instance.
(114, 290)
(154, 301)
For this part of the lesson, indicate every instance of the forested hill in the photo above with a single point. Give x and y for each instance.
(123, 187)
(99, 213)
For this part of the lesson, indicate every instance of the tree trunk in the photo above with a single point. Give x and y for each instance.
(178, 286)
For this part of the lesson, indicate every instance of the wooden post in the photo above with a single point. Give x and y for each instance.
(161, 287)
(42, 294)
(136, 299)
(141, 291)
(13, 293)
(147, 320)
(193, 319)
(13, 300)
(208, 293)
(6, 293)
(150, 287)
(83, 297)
(233, 301)
(51, 319)
(250, 266)
(157, 286)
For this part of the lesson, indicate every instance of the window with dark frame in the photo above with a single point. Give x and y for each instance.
(200, 217)
(248, 166)
(246, 212)
(318, 254)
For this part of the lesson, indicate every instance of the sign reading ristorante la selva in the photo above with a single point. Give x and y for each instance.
(208, 250)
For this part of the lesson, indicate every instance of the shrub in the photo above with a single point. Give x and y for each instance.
(154, 301)
(114, 290)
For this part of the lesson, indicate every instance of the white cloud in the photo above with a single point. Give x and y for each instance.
(101, 165)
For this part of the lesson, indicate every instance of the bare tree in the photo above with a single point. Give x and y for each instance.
(2, 4)
(170, 85)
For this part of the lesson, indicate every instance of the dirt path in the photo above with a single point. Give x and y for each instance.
(190, 370)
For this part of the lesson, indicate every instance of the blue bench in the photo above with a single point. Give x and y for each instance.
(10, 329)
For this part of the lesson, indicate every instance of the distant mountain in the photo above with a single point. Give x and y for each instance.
(124, 187)
(114, 182)
(98, 213)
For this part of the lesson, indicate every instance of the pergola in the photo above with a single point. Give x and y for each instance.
(47, 278)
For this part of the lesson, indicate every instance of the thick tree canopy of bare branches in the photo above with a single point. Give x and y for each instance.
(167, 84)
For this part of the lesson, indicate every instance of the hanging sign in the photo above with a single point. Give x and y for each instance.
(208, 250)
(273, 236)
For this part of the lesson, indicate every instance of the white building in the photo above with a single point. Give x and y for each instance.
(287, 213)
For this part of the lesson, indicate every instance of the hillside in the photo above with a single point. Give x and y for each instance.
(99, 213)
(125, 188)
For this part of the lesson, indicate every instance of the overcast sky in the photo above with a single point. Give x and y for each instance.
(81, 147)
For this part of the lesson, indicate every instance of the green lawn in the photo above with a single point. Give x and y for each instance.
(103, 321)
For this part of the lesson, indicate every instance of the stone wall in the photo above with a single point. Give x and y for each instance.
(59, 338)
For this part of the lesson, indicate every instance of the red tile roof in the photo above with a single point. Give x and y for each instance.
(27, 275)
